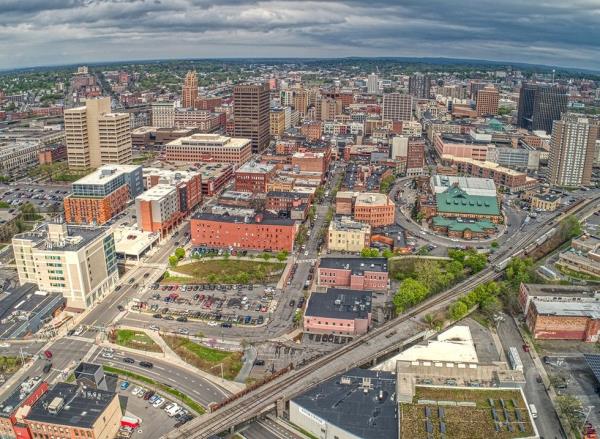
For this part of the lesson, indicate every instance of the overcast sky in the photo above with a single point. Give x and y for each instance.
(554, 32)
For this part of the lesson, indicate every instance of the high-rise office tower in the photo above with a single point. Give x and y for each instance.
(572, 150)
(487, 101)
(474, 88)
(189, 93)
(251, 114)
(397, 106)
(419, 86)
(95, 136)
(525, 111)
(540, 105)
(373, 84)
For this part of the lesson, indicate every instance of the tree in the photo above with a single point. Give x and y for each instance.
(409, 293)
(572, 409)
(243, 277)
(365, 252)
(458, 310)
(494, 244)
(518, 271)
(386, 184)
(475, 262)
(387, 253)
(282, 256)
(180, 253)
(570, 227)
(266, 256)
(173, 260)
(433, 322)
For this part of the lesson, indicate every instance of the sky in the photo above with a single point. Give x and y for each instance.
(48, 32)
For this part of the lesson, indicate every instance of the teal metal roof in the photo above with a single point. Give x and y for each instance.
(455, 200)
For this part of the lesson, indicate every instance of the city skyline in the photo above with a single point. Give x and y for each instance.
(124, 30)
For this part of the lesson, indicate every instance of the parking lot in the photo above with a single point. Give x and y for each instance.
(158, 414)
(44, 198)
(224, 305)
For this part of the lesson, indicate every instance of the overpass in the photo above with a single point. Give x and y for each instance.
(391, 336)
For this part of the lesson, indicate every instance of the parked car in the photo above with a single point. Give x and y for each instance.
(259, 362)
(124, 385)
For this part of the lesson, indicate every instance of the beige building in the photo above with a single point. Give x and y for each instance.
(77, 261)
(96, 136)
(278, 122)
(347, 235)
(546, 202)
(209, 148)
(572, 150)
(397, 106)
(163, 114)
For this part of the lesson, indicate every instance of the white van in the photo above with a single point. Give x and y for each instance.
(533, 411)
(173, 410)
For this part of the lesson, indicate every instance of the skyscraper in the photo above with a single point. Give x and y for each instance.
(474, 88)
(251, 114)
(95, 136)
(189, 93)
(487, 101)
(419, 86)
(397, 106)
(525, 111)
(373, 84)
(540, 105)
(572, 150)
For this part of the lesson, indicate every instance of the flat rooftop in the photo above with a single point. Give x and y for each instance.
(572, 309)
(131, 241)
(157, 192)
(356, 265)
(547, 197)
(215, 140)
(561, 290)
(338, 303)
(264, 219)
(343, 401)
(167, 176)
(483, 164)
(471, 185)
(18, 396)
(252, 167)
(77, 237)
(81, 407)
(106, 173)
(21, 305)
(372, 199)
(348, 224)
(213, 170)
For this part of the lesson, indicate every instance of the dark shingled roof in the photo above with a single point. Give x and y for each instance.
(342, 401)
(339, 303)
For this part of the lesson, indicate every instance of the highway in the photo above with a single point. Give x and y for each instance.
(360, 351)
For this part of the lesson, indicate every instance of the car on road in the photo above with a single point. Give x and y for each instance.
(212, 323)
(292, 303)
(4, 345)
(79, 330)
(184, 331)
(132, 280)
(146, 364)
(154, 328)
(306, 253)
(121, 308)
(128, 360)
(48, 354)
(226, 325)
(47, 367)
(107, 354)
(259, 362)
(124, 385)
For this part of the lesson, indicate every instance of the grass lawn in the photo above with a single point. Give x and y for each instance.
(206, 359)
(9, 365)
(465, 422)
(198, 408)
(135, 340)
(229, 271)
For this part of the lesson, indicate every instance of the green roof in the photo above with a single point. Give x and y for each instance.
(460, 226)
(455, 200)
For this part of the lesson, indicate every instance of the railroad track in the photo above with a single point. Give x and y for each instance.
(263, 398)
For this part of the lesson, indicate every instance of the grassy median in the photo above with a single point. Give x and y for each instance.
(134, 339)
(228, 271)
(205, 358)
(197, 407)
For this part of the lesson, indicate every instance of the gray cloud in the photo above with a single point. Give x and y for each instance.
(37, 32)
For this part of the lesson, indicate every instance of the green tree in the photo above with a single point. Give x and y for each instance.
(409, 293)
(572, 409)
(374, 253)
(387, 253)
(494, 244)
(243, 277)
(365, 252)
(282, 256)
(475, 262)
(570, 227)
(518, 270)
(180, 253)
(173, 260)
(386, 184)
(458, 310)
(266, 256)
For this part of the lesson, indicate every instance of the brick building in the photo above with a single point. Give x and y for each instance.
(99, 196)
(158, 209)
(256, 233)
(559, 312)
(338, 312)
(214, 177)
(187, 183)
(372, 208)
(355, 273)
(311, 161)
(13, 408)
(312, 130)
(209, 148)
(254, 177)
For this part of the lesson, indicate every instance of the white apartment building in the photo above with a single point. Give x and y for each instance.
(78, 262)
(163, 114)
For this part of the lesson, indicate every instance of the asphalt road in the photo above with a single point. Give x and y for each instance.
(547, 421)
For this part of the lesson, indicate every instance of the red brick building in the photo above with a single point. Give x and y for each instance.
(257, 233)
(187, 183)
(11, 415)
(312, 130)
(208, 103)
(311, 161)
(559, 312)
(355, 273)
(254, 177)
